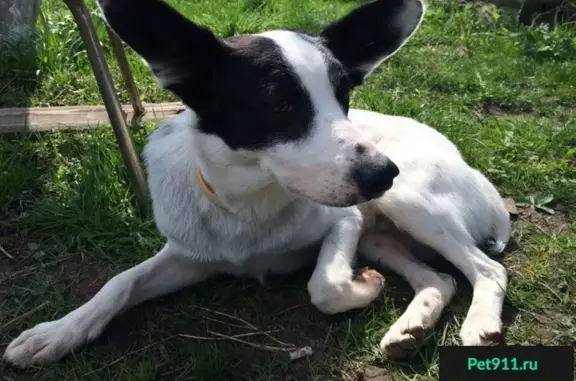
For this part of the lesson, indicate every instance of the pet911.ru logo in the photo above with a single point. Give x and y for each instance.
(501, 363)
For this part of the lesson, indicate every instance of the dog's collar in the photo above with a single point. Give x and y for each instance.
(208, 190)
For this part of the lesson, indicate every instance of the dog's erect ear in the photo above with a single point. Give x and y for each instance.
(373, 32)
(182, 55)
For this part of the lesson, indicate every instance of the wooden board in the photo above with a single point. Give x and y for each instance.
(75, 117)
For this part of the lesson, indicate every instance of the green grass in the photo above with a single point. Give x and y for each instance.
(503, 93)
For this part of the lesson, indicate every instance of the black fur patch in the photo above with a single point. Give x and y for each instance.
(260, 100)
(241, 88)
(371, 33)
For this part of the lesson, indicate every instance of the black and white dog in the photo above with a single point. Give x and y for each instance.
(268, 170)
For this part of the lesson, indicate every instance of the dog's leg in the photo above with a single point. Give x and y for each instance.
(433, 291)
(47, 342)
(442, 229)
(489, 280)
(333, 287)
(483, 324)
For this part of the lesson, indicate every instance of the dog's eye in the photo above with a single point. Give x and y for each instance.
(282, 106)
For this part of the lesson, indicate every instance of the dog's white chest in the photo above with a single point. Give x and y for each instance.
(254, 247)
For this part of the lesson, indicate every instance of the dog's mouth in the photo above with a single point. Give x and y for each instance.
(334, 201)
(351, 200)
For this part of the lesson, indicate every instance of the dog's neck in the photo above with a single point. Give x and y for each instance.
(235, 179)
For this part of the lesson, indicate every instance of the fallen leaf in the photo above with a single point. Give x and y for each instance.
(510, 206)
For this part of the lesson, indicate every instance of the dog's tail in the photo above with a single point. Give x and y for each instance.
(501, 225)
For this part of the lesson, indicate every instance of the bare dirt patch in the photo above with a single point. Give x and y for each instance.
(501, 108)
(545, 223)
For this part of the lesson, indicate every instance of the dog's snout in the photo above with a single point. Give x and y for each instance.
(374, 179)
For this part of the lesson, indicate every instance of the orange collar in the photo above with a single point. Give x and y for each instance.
(207, 188)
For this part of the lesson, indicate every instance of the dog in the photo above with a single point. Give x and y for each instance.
(268, 170)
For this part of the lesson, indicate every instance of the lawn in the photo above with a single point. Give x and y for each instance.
(505, 94)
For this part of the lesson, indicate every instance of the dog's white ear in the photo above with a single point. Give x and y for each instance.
(368, 35)
(183, 56)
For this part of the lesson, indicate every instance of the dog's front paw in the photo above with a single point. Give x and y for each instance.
(44, 344)
(481, 329)
(335, 296)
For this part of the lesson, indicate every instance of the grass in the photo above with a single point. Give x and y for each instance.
(503, 93)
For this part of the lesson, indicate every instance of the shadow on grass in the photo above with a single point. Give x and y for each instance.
(18, 68)
(145, 342)
(79, 229)
(147, 339)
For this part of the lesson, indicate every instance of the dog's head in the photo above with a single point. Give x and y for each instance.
(282, 96)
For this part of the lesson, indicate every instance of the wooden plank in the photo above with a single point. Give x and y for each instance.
(75, 117)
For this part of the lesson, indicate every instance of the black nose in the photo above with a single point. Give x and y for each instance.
(375, 178)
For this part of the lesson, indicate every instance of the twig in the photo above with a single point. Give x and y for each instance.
(5, 252)
(301, 352)
(26, 314)
(553, 292)
(121, 358)
(541, 229)
(225, 323)
(292, 308)
(257, 346)
(249, 325)
(9, 83)
(220, 338)
(31, 269)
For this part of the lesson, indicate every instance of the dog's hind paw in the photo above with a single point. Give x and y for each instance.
(404, 338)
(43, 344)
(402, 344)
(481, 330)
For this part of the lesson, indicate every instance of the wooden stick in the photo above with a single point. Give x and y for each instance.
(117, 117)
(74, 117)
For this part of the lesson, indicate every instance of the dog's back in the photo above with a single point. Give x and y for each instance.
(430, 164)
(444, 206)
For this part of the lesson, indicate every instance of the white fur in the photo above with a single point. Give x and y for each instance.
(433, 292)
(276, 219)
(319, 167)
(442, 202)
(437, 198)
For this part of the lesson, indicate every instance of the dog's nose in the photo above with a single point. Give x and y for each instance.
(375, 178)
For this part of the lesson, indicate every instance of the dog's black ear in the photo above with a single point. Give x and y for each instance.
(368, 35)
(183, 56)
